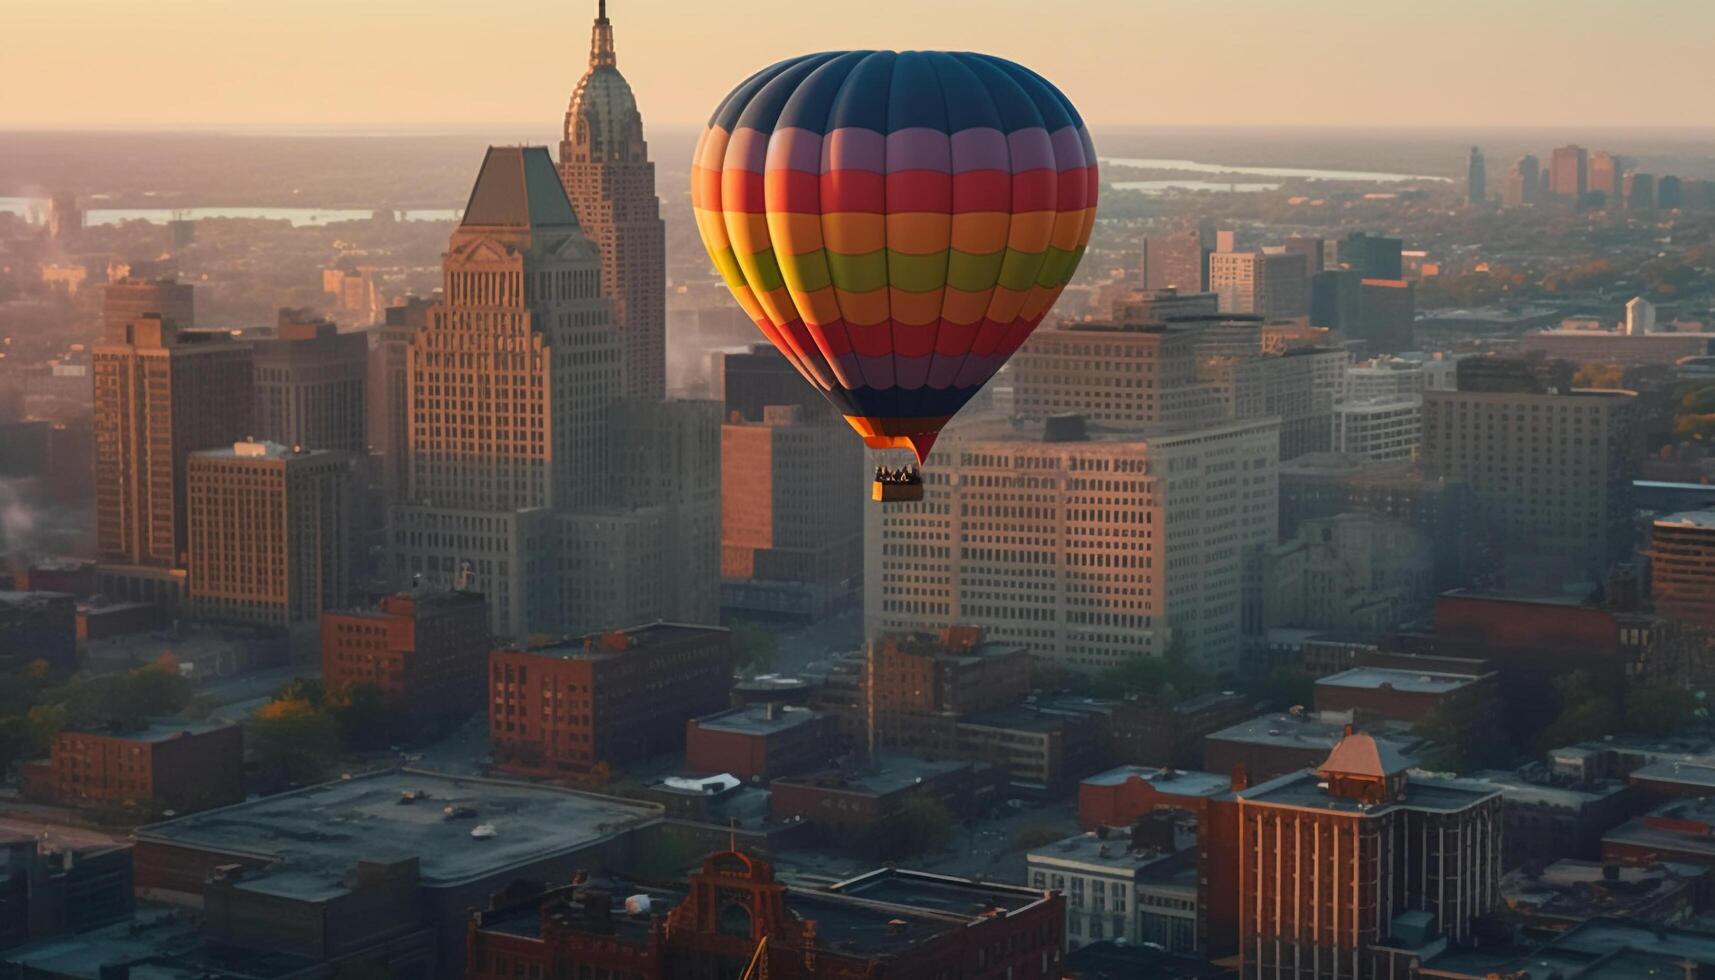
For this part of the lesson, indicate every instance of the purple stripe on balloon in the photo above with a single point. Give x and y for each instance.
(944, 370)
(854, 148)
(747, 150)
(1068, 148)
(1089, 145)
(980, 149)
(877, 371)
(1030, 149)
(795, 148)
(848, 370)
(978, 368)
(911, 372)
(918, 148)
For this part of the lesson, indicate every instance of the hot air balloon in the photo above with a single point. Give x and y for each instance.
(896, 223)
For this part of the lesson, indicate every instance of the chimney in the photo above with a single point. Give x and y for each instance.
(1242, 779)
(771, 711)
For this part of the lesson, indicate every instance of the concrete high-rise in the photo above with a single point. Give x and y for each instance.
(604, 163)
(1296, 387)
(1640, 191)
(1604, 177)
(270, 533)
(1682, 567)
(1569, 172)
(1177, 260)
(387, 392)
(1126, 373)
(512, 377)
(1523, 183)
(1088, 545)
(1373, 256)
(1549, 471)
(791, 514)
(132, 299)
(310, 384)
(1476, 179)
(161, 393)
(1270, 284)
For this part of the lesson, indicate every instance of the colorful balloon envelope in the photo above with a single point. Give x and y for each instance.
(896, 223)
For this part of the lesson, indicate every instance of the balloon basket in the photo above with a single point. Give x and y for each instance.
(896, 486)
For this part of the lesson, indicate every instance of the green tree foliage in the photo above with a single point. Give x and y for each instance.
(367, 720)
(1169, 678)
(1695, 417)
(1586, 712)
(1658, 709)
(1461, 740)
(299, 739)
(754, 648)
(1032, 836)
(125, 701)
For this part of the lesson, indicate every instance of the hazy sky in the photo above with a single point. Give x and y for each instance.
(507, 66)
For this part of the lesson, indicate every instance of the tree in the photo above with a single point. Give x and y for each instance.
(295, 737)
(1032, 836)
(918, 825)
(366, 719)
(1658, 709)
(1461, 739)
(1170, 677)
(1586, 712)
(1283, 686)
(754, 648)
(1599, 376)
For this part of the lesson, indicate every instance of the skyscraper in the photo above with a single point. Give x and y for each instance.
(1569, 172)
(1177, 260)
(130, 299)
(270, 532)
(1604, 176)
(604, 163)
(1523, 183)
(1682, 566)
(1373, 256)
(1640, 191)
(310, 384)
(387, 391)
(161, 393)
(1476, 179)
(1270, 284)
(511, 381)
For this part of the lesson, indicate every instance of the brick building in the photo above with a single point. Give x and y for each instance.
(919, 686)
(846, 804)
(1682, 567)
(1272, 745)
(183, 767)
(1144, 732)
(760, 741)
(1347, 869)
(732, 918)
(1044, 746)
(1120, 796)
(1409, 695)
(1682, 831)
(427, 650)
(576, 708)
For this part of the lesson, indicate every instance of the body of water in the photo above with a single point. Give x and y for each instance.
(1294, 172)
(36, 209)
(1157, 187)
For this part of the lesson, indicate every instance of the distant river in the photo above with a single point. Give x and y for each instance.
(1220, 168)
(37, 208)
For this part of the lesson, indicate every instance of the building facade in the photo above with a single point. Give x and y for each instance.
(1682, 567)
(1388, 428)
(427, 650)
(172, 766)
(604, 164)
(310, 385)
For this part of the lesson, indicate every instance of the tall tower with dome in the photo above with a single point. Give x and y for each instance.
(604, 163)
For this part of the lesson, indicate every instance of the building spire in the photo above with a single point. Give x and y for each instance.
(601, 38)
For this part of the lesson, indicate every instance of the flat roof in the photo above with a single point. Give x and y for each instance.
(589, 646)
(1304, 789)
(1409, 681)
(317, 834)
(932, 892)
(1679, 826)
(758, 719)
(1697, 772)
(1112, 853)
(1516, 788)
(1702, 519)
(33, 598)
(1174, 782)
(159, 730)
(1307, 731)
(156, 943)
(891, 774)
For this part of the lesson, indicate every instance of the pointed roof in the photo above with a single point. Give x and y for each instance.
(518, 187)
(1361, 755)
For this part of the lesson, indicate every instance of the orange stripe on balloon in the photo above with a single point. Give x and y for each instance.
(919, 232)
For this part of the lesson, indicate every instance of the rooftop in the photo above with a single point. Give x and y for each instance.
(891, 774)
(518, 187)
(1581, 889)
(1304, 731)
(157, 943)
(1686, 772)
(1174, 782)
(1700, 519)
(939, 893)
(1542, 790)
(1306, 790)
(1409, 681)
(261, 449)
(320, 833)
(613, 643)
(161, 730)
(1684, 826)
(757, 719)
(1113, 853)
(27, 599)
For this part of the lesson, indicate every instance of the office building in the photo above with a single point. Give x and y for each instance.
(1603, 177)
(1334, 298)
(1129, 373)
(1385, 378)
(1268, 284)
(271, 530)
(1476, 179)
(1136, 887)
(1682, 567)
(1523, 185)
(1324, 485)
(63, 890)
(1348, 869)
(857, 803)
(1269, 746)
(1549, 473)
(167, 765)
(1411, 695)
(1387, 310)
(575, 709)
(1383, 429)
(161, 393)
(791, 514)
(1087, 545)
(425, 650)
(310, 384)
(917, 687)
(1640, 191)
(1372, 256)
(1162, 731)
(1177, 260)
(750, 379)
(1355, 572)
(1297, 387)
(1669, 192)
(733, 918)
(387, 392)
(130, 299)
(1569, 172)
(604, 164)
